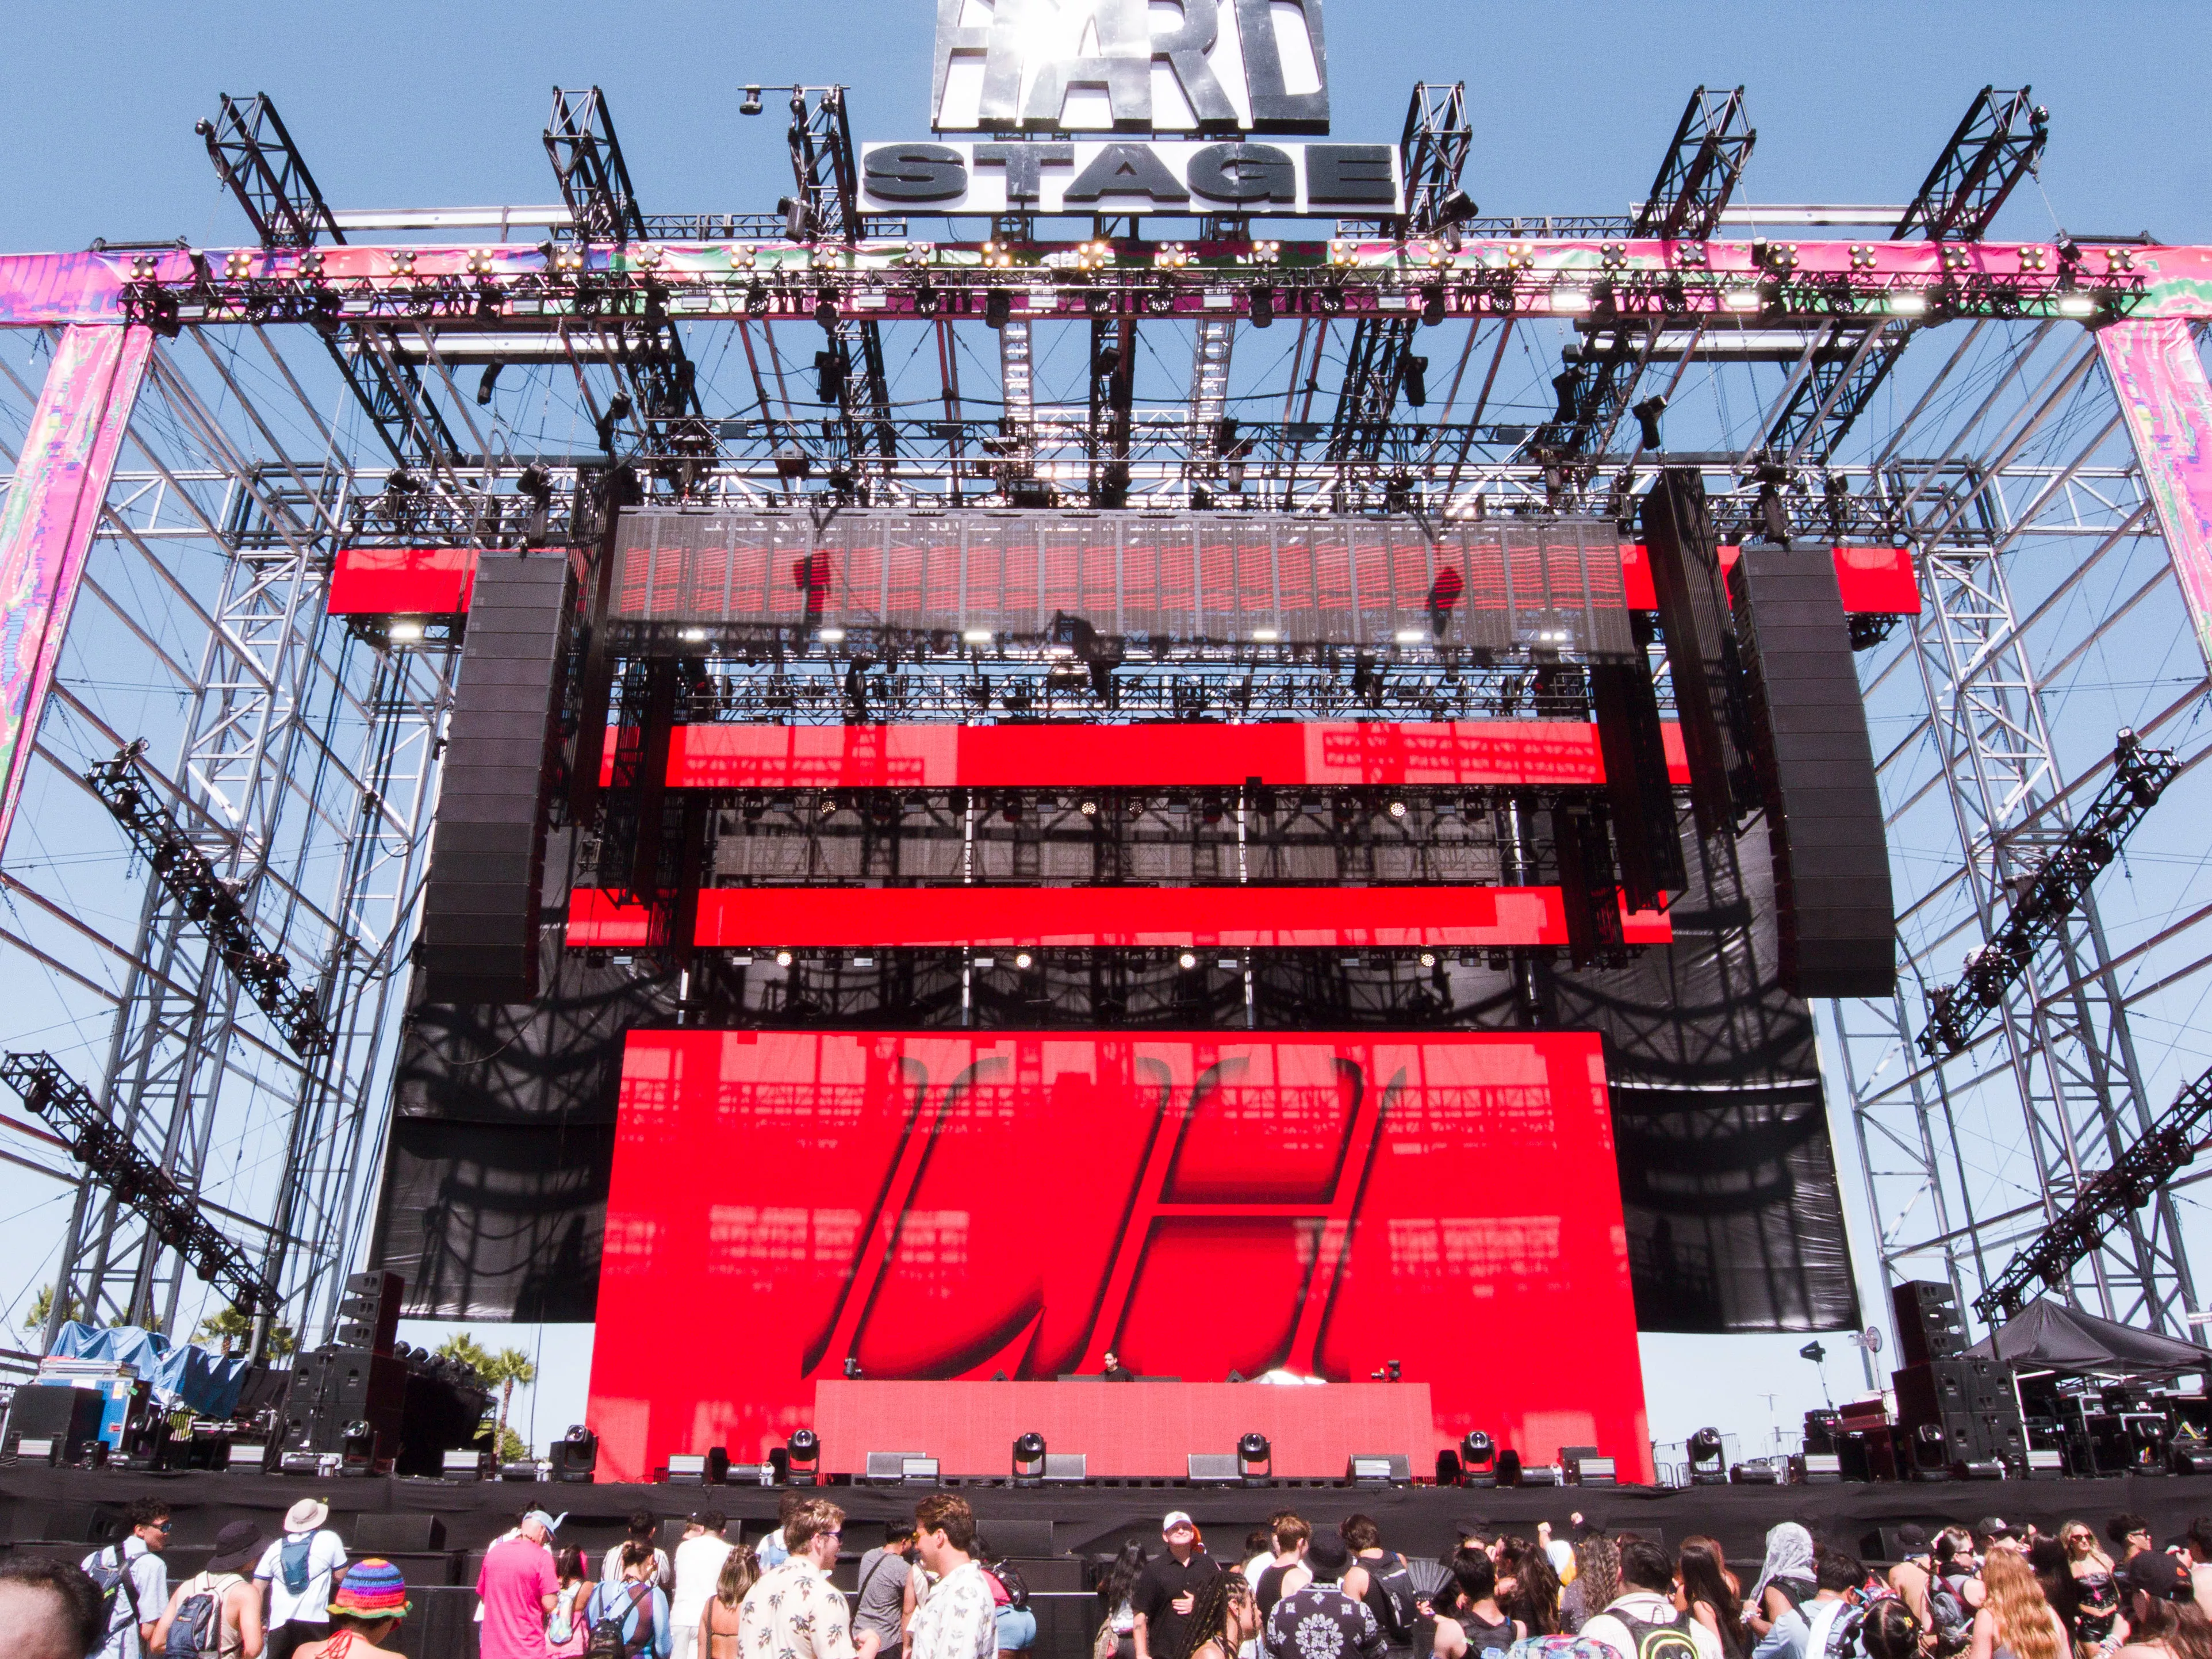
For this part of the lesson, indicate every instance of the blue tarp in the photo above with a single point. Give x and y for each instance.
(205, 1381)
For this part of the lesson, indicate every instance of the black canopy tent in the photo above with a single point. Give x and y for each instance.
(2048, 1335)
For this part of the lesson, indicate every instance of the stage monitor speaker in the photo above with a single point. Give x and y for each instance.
(889, 1467)
(1066, 1469)
(1026, 1540)
(1815, 765)
(1213, 1469)
(1647, 839)
(480, 905)
(395, 1535)
(1693, 615)
(1378, 1469)
(1928, 1325)
(67, 1416)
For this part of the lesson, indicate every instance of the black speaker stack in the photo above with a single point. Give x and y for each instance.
(480, 909)
(1814, 766)
(375, 1407)
(1959, 1415)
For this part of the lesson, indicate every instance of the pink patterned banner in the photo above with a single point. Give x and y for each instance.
(45, 528)
(2160, 384)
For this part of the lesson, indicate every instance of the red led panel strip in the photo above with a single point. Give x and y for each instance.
(1876, 581)
(437, 581)
(406, 581)
(1227, 918)
(1282, 754)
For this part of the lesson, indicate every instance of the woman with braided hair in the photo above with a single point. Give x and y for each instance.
(1223, 1618)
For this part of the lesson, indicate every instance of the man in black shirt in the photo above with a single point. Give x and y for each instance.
(1165, 1590)
(1320, 1621)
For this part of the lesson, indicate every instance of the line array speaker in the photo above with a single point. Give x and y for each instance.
(1693, 613)
(1637, 785)
(1928, 1322)
(480, 910)
(1815, 769)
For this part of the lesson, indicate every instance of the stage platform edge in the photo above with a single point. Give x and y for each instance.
(1141, 1429)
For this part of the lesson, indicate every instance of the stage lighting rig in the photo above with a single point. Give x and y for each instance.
(1029, 1460)
(2051, 894)
(2106, 1198)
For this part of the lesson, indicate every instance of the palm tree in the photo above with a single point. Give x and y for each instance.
(503, 1370)
(509, 1367)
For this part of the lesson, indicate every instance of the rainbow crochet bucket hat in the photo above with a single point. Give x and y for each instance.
(372, 1588)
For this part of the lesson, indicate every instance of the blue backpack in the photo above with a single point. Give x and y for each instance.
(110, 1572)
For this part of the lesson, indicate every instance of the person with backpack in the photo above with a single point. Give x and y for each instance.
(1380, 1579)
(1321, 1620)
(1643, 1622)
(299, 1570)
(1470, 1625)
(216, 1612)
(132, 1581)
(518, 1586)
(1009, 1601)
(628, 1619)
(366, 1608)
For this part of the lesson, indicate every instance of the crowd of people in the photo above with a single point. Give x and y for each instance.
(1991, 1591)
(932, 1589)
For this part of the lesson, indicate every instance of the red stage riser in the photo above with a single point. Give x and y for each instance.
(942, 1206)
(1226, 918)
(1121, 1429)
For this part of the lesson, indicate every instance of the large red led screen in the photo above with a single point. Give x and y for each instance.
(951, 1206)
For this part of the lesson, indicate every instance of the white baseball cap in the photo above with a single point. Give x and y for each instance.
(1176, 1518)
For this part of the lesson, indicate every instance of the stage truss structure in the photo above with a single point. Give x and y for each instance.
(1907, 381)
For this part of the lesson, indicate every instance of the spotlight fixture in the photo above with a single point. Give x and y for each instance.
(1186, 960)
(1396, 809)
(1477, 1456)
(1262, 296)
(1029, 1460)
(752, 103)
(1707, 1467)
(1428, 958)
(1432, 304)
(1255, 1459)
(803, 1458)
(783, 959)
(997, 308)
(1647, 414)
(1417, 380)
(1024, 961)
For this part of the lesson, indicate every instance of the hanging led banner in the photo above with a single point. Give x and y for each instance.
(1120, 176)
(1101, 66)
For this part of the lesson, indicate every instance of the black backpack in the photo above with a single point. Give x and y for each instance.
(1018, 1593)
(110, 1572)
(1671, 1640)
(607, 1641)
(1396, 1612)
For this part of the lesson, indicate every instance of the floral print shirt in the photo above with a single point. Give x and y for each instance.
(793, 1613)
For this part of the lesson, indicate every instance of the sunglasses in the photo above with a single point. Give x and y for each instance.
(162, 1525)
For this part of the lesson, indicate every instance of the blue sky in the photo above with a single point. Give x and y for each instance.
(413, 104)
